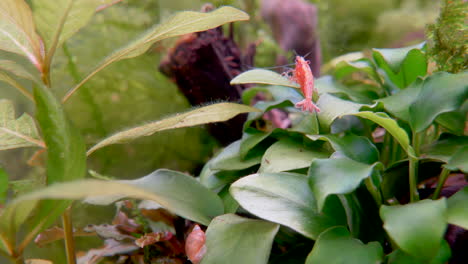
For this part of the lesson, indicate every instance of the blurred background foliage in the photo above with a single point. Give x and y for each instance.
(132, 92)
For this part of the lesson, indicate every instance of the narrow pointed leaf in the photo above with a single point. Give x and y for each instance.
(336, 176)
(263, 77)
(337, 246)
(231, 239)
(417, 228)
(285, 198)
(204, 115)
(440, 93)
(57, 21)
(286, 155)
(17, 133)
(179, 24)
(17, 31)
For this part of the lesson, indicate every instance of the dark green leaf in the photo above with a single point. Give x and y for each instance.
(250, 140)
(445, 148)
(357, 148)
(285, 198)
(440, 93)
(286, 155)
(417, 228)
(458, 208)
(337, 246)
(4, 185)
(459, 160)
(453, 121)
(230, 204)
(234, 239)
(229, 159)
(336, 176)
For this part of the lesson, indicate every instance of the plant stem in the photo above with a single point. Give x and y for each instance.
(442, 178)
(68, 231)
(373, 191)
(413, 178)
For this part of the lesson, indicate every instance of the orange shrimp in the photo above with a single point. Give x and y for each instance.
(304, 77)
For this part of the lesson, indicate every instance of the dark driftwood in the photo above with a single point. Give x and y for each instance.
(202, 64)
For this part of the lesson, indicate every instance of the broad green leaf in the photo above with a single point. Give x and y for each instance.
(17, 31)
(401, 66)
(391, 126)
(57, 21)
(457, 208)
(286, 199)
(179, 24)
(234, 239)
(454, 121)
(417, 228)
(17, 133)
(250, 140)
(357, 148)
(175, 191)
(229, 159)
(66, 156)
(440, 93)
(444, 149)
(4, 185)
(204, 115)
(400, 257)
(336, 176)
(344, 68)
(263, 77)
(337, 246)
(459, 160)
(332, 107)
(230, 204)
(7, 79)
(398, 104)
(286, 155)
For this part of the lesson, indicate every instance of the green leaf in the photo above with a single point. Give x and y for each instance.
(401, 66)
(229, 159)
(357, 148)
(286, 155)
(66, 157)
(459, 160)
(440, 93)
(337, 246)
(16, 69)
(453, 121)
(263, 77)
(179, 24)
(286, 199)
(391, 126)
(457, 208)
(57, 21)
(17, 133)
(336, 176)
(417, 228)
(398, 103)
(4, 185)
(234, 239)
(173, 190)
(230, 204)
(204, 115)
(332, 107)
(17, 31)
(400, 257)
(345, 68)
(250, 140)
(444, 149)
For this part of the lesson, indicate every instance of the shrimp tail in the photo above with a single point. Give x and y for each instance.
(307, 105)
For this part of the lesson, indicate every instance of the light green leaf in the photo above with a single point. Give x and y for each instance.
(459, 160)
(250, 140)
(440, 93)
(392, 127)
(400, 257)
(57, 21)
(16, 69)
(336, 176)
(229, 159)
(337, 246)
(17, 31)
(263, 77)
(231, 239)
(286, 155)
(17, 133)
(458, 208)
(286, 199)
(180, 24)
(417, 228)
(175, 191)
(332, 107)
(204, 115)
(345, 68)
